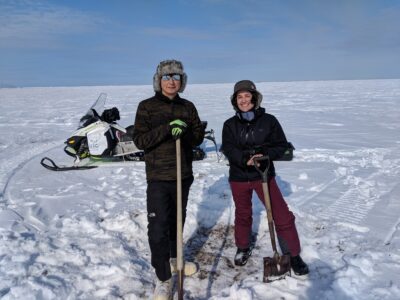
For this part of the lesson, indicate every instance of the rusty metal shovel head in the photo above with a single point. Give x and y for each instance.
(276, 268)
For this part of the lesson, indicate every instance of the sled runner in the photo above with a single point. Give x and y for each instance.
(100, 140)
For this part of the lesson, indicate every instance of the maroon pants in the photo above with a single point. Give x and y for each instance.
(283, 218)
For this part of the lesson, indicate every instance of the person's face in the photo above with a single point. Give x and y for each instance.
(170, 85)
(243, 99)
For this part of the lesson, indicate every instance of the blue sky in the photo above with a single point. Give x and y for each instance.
(105, 42)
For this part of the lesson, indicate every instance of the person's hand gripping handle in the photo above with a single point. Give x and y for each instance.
(178, 128)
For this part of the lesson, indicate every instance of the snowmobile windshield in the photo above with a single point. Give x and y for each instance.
(95, 111)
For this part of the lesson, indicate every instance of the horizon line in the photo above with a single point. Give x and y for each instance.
(10, 86)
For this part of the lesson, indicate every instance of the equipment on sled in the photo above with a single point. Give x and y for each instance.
(99, 139)
(198, 152)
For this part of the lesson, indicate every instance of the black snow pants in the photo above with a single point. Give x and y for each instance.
(161, 216)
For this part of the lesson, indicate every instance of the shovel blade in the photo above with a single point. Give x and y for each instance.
(276, 268)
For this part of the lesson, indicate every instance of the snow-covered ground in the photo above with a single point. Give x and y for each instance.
(83, 234)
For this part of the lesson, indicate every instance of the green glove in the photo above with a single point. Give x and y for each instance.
(178, 128)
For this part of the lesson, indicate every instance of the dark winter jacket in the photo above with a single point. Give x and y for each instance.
(242, 139)
(152, 133)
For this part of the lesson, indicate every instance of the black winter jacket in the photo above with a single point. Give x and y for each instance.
(241, 139)
(152, 133)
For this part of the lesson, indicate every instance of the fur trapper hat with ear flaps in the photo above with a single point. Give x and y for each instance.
(246, 85)
(169, 66)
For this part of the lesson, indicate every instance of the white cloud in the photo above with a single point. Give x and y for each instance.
(36, 24)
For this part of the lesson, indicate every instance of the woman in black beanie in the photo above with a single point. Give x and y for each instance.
(249, 134)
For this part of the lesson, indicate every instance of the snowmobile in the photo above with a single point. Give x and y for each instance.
(99, 139)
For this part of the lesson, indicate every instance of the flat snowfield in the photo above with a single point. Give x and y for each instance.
(83, 234)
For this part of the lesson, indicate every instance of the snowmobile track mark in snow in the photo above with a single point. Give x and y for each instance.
(349, 208)
(354, 205)
(306, 200)
(29, 221)
(9, 175)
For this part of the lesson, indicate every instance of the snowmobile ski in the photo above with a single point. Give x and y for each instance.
(51, 165)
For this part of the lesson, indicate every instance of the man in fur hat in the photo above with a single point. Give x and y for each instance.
(160, 120)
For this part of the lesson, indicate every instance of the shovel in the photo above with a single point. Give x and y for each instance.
(278, 266)
(179, 226)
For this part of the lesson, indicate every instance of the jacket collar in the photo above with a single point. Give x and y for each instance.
(257, 113)
(163, 98)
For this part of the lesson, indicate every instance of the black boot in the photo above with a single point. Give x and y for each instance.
(298, 265)
(242, 255)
